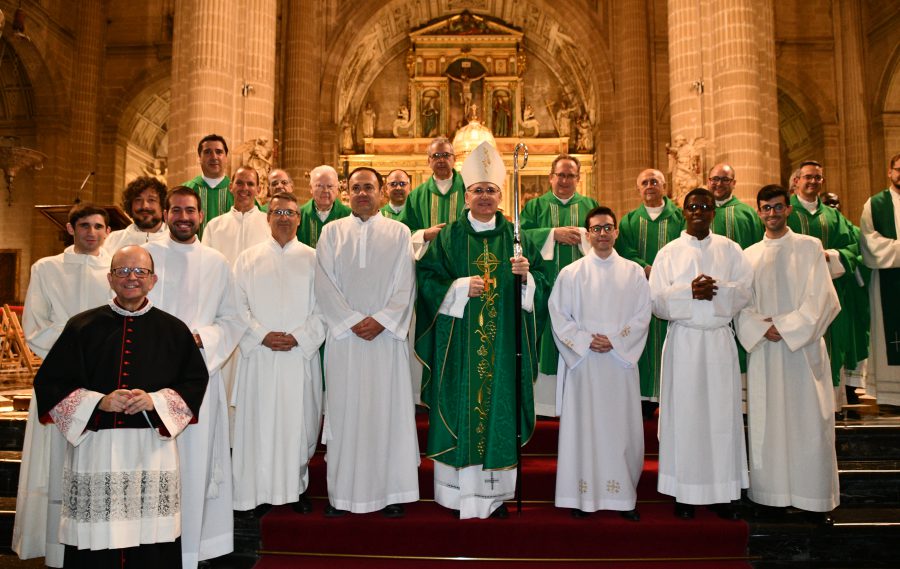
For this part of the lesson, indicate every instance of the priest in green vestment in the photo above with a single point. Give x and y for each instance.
(642, 233)
(212, 184)
(735, 220)
(841, 244)
(555, 223)
(323, 207)
(465, 337)
(437, 201)
(880, 229)
(397, 186)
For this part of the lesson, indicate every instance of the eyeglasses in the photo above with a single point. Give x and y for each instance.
(813, 177)
(440, 155)
(777, 208)
(606, 228)
(321, 187)
(563, 176)
(285, 212)
(484, 191)
(694, 207)
(720, 180)
(397, 184)
(367, 189)
(139, 272)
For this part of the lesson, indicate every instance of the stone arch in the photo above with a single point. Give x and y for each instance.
(886, 111)
(800, 129)
(140, 121)
(587, 72)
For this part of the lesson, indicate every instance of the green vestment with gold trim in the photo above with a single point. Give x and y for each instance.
(213, 201)
(640, 239)
(538, 219)
(426, 206)
(468, 380)
(310, 224)
(835, 232)
(388, 212)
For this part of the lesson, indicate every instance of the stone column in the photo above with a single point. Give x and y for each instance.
(729, 46)
(303, 71)
(633, 122)
(85, 87)
(855, 183)
(223, 77)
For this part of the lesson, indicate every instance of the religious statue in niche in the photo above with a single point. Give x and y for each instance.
(431, 112)
(259, 157)
(368, 121)
(685, 170)
(467, 90)
(530, 125)
(501, 114)
(563, 117)
(403, 123)
(584, 141)
(346, 136)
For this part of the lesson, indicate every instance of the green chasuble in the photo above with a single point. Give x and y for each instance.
(882, 208)
(468, 380)
(310, 224)
(213, 201)
(640, 239)
(426, 206)
(537, 220)
(835, 232)
(388, 212)
(859, 311)
(740, 223)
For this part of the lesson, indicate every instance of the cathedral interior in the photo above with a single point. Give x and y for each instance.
(94, 93)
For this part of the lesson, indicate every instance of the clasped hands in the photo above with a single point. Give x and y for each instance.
(703, 287)
(772, 334)
(600, 343)
(368, 328)
(128, 401)
(567, 235)
(279, 341)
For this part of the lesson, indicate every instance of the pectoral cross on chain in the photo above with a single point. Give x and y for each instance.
(896, 342)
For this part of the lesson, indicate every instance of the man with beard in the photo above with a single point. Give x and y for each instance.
(212, 184)
(60, 287)
(790, 400)
(195, 285)
(142, 200)
(398, 187)
(437, 201)
(699, 282)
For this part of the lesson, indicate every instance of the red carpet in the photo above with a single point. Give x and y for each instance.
(545, 536)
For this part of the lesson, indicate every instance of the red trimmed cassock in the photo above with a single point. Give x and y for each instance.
(121, 483)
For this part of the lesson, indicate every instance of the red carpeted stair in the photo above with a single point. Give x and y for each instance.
(545, 536)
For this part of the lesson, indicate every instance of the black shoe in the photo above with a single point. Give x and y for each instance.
(852, 397)
(303, 505)
(244, 514)
(684, 511)
(332, 512)
(726, 511)
(579, 514)
(648, 409)
(631, 515)
(393, 511)
(500, 513)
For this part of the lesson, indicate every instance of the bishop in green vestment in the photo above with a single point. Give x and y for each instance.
(212, 185)
(323, 185)
(555, 223)
(642, 233)
(465, 337)
(840, 240)
(437, 201)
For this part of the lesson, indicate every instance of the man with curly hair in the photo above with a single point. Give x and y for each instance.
(143, 201)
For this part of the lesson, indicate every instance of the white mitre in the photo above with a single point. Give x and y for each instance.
(484, 164)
